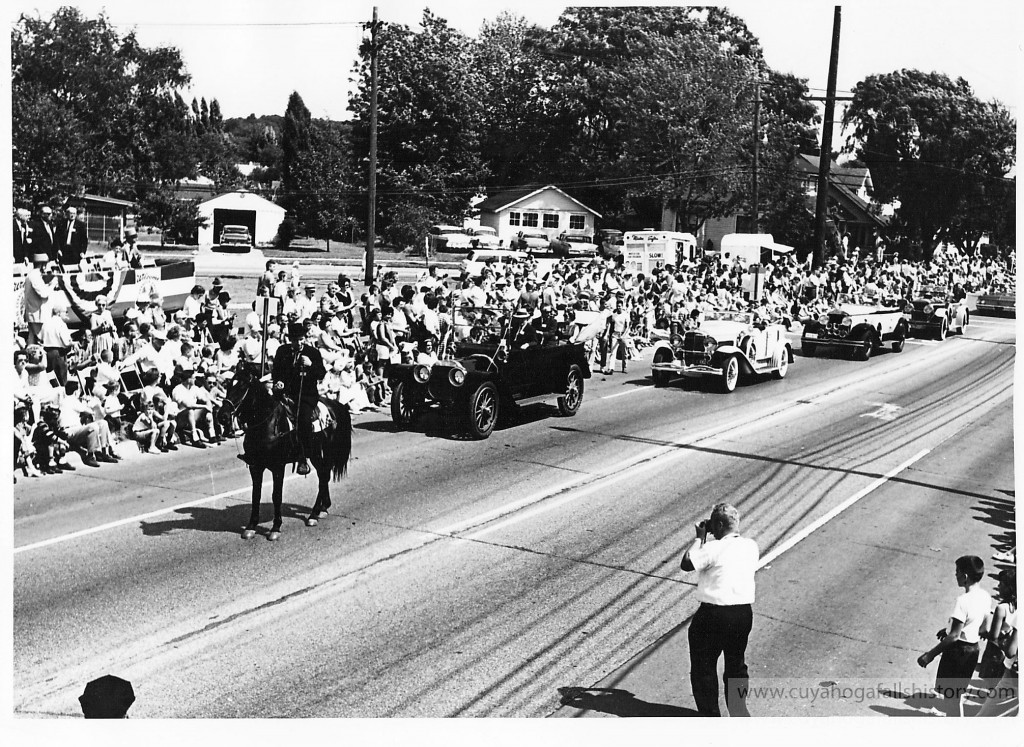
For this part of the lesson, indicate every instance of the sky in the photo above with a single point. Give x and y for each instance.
(251, 55)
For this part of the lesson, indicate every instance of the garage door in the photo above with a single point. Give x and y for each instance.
(223, 218)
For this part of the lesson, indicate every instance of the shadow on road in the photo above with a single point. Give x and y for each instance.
(918, 704)
(620, 703)
(229, 520)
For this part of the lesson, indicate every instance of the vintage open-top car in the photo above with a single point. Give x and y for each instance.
(492, 369)
(859, 324)
(935, 312)
(723, 346)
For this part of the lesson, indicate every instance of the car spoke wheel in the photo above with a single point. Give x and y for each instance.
(661, 378)
(943, 330)
(404, 403)
(730, 374)
(483, 410)
(863, 352)
(783, 368)
(569, 403)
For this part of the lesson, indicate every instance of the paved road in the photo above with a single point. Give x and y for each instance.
(477, 578)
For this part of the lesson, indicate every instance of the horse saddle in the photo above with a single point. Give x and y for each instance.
(323, 418)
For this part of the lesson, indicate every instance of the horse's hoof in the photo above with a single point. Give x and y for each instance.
(248, 534)
(311, 522)
(273, 536)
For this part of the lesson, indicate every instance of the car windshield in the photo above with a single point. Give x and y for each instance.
(578, 239)
(486, 231)
(535, 236)
(934, 291)
(743, 317)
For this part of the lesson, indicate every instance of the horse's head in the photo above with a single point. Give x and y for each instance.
(242, 393)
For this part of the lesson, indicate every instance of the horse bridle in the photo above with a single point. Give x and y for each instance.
(233, 409)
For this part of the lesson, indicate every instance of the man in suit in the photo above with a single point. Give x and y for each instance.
(43, 233)
(22, 236)
(298, 369)
(72, 238)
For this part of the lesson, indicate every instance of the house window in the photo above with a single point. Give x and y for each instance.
(530, 220)
(513, 219)
(577, 222)
(550, 220)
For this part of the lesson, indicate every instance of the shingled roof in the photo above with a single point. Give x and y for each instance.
(510, 197)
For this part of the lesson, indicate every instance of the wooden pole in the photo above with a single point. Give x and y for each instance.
(371, 220)
(825, 159)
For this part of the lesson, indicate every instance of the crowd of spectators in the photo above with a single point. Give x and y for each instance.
(74, 391)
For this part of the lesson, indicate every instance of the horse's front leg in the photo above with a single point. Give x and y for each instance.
(256, 473)
(275, 529)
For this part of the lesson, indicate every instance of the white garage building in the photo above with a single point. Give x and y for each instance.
(240, 208)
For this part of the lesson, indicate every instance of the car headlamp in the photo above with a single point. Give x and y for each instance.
(710, 345)
(928, 309)
(908, 308)
(847, 322)
(823, 319)
(421, 374)
(457, 377)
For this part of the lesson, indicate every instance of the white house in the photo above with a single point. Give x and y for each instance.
(547, 209)
(240, 208)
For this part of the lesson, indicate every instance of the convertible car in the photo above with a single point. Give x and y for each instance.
(491, 371)
(722, 347)
(935, 313)
(857, 324)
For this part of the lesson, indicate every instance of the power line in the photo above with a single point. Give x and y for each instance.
(240, 24)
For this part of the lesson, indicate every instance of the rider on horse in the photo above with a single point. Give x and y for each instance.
(298, 369)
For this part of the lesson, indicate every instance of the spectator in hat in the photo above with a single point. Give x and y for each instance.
(307, 304)
(37, 293)
(958, 647)
(150, 356)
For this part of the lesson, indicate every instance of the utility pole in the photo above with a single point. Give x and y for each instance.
(371, 219)
(757, 153)
(825, 159)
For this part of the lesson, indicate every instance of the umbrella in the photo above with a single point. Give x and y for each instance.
(107, 697)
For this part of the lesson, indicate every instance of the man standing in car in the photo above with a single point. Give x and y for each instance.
(725, 589)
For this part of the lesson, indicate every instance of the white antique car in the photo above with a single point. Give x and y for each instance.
(858, 324)
(724, 345)
(935, 313)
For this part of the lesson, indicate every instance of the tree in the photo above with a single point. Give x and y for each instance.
(935, 147)
(429, 115)
(86, 102)
(320, 199)
(294, 138)
(178, 220)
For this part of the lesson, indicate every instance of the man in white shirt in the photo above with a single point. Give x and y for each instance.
(725, 590)
(196, 412)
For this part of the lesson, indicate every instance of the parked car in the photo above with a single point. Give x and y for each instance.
(490, 373)
(474, 264)
(573, 245)
(532, 241)
(609, 241)
(724, 346)
(998, 300)
(859, 325)
(235, 237)
(935, 312)
(439, 235)
(484, 237)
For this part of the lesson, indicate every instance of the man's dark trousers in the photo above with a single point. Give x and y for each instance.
(715, 630)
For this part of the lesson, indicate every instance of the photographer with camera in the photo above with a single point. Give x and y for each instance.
(725, 563)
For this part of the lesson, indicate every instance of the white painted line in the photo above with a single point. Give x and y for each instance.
(134, 519)
(628, 391)
(926, 343)
(815, 525)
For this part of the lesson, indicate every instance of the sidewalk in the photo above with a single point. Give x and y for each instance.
(841, 618)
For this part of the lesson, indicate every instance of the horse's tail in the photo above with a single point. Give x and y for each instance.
(339, 448)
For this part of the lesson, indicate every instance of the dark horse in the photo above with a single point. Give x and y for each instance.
(270, 444)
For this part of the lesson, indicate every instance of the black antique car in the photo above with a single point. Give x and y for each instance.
(857, 324)
(491, 371)
(935, 312)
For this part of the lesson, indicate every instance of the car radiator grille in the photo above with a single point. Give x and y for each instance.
(693, 349)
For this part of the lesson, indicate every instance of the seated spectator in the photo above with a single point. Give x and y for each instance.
(50, 445)
(165, 413)
(147, 432)
(79, 427)
(24, 446)
(211, 391)
(194, 412)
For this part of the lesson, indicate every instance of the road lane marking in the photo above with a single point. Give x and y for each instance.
(884, 412)
(817, 524)
(140, 517)
(628, 391)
